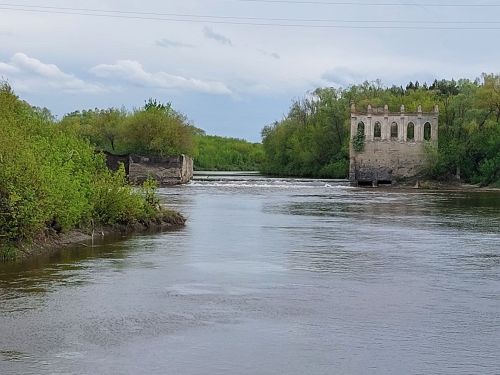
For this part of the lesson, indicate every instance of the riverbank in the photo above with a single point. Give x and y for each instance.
(50, 241)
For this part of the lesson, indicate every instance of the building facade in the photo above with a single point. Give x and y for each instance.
(386, 147)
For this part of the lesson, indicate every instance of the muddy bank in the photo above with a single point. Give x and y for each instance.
(50, 241)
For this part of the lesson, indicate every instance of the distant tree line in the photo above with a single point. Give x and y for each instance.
(313, 138)
(227, 154)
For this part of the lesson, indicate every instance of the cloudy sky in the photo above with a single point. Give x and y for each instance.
(233, 66)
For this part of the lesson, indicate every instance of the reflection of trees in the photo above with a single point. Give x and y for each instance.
(40, 273)
(67, 266)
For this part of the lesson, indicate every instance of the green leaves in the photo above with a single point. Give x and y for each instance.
(310, 140)
(155, 129)
(358, 141)
(158, 132)
(227, 154)
(53, 180)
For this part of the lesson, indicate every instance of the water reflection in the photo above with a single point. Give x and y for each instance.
(25, 284)
(451, 210)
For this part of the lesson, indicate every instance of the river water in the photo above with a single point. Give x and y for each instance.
(270, 276)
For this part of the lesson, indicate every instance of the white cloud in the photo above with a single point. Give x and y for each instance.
(133, 72)
(222, 39)
(8, 69)
(30, 74)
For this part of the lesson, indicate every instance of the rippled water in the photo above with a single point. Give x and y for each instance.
(270, 276)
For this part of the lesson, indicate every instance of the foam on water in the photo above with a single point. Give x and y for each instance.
(236, 181)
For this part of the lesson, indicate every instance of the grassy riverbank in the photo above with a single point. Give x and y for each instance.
(53, 182)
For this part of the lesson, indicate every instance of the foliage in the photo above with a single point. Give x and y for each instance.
(148, 190)
(314, 134)
(312, 140)
(162, 132)
(358, 141)
(115, 202)
(156, 129)
(103, 128)
(227, 154)
(51, 180)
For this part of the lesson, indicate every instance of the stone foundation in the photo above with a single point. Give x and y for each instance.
(174, 170)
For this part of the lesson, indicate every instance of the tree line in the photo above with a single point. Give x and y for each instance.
(215, 153)
(313, 138)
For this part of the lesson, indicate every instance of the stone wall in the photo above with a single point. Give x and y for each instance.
(167, 171)
(392, 151)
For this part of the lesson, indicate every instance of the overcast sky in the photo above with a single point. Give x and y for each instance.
(232, 79)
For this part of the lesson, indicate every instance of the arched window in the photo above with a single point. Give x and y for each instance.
(410, 132)
(361, 128)
(394, 130)
(377, 130)
(427, 131)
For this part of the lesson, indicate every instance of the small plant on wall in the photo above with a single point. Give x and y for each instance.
(358, 141)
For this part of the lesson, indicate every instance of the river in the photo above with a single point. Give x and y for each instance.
(270, 276)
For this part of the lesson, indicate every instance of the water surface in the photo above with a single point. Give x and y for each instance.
(270, 276)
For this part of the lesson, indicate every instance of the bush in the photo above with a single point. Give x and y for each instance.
(358, 141)
(51, 180)
(337, 169)
(156, 129)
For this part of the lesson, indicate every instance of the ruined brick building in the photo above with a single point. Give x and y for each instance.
(394, 144)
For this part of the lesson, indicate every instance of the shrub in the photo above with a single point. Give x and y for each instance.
(337, 169)
(358, 141)
(52, 180)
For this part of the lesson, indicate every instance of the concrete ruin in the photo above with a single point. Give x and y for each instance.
(174, 170)
(393, 144)
(167, 171)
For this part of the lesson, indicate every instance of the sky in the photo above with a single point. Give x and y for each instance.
(234, 66)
